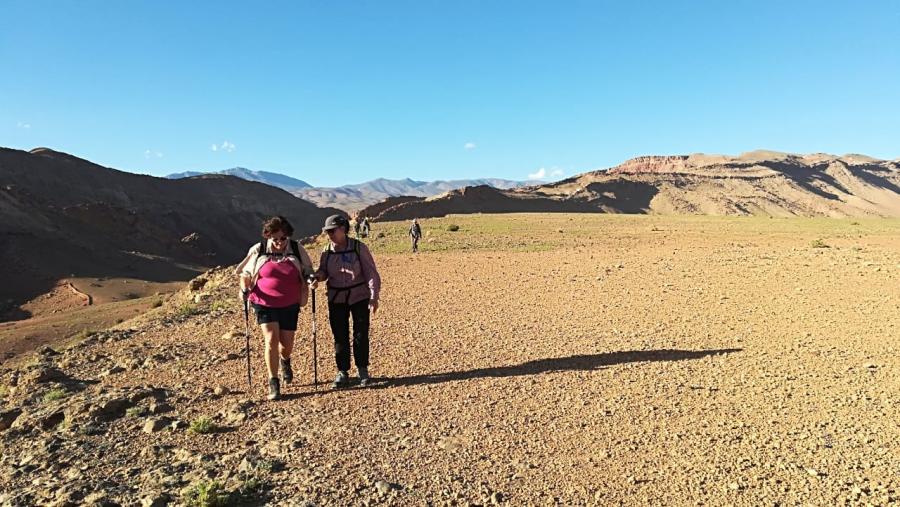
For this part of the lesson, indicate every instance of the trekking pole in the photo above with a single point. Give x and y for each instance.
(247, 337)
(315, 352)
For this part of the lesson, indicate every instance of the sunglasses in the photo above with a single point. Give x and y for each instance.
(330, 231)
(279, 240)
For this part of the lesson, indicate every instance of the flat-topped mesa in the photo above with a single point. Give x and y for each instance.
(652, 164)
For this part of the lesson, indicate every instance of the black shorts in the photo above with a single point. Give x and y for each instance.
(286, 317)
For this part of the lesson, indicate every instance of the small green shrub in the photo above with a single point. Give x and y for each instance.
(54, 395)
(206, 494)
(203, 425)
(452, 227)
(156, 304)
(135, 412)
(186, 310)
(819, 244)
(251, 487)
(218, 305)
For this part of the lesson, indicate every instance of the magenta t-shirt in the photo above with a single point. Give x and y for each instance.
(278, 285)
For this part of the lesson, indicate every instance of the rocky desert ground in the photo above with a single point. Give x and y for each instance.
(529, 359)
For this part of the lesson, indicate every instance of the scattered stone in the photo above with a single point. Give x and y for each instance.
(159, 407)
(221, 390)
(111, 409)
(112, 371)
(52, 420)
(155, 424)
(47, 351)
(7, 418)
(155, 500)
(384, 487)
(99, 499)
(450, 444)
(197, 284)
(43, 374)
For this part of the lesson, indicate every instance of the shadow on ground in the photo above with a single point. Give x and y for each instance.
(583, 362)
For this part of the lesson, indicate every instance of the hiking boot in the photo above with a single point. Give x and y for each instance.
(342, 380)
(287, 374)
(363, 377)
(274, 389)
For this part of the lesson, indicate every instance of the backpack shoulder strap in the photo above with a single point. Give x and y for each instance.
(262, 248)
(362, 269)
(295, 249)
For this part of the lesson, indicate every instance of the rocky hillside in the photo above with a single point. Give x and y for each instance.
(62, 216)
(755, 183)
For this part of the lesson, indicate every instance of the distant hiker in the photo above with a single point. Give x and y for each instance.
(356, 226)
(365, 227)
(353, 289)
(273, 280)
(415, 234)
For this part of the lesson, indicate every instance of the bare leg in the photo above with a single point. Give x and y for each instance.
(271, 335)
(287, 343)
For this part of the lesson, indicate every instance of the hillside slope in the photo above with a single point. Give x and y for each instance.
(62, 216)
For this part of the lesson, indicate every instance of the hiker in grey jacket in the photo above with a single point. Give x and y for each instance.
(354, 287)
(415, 234)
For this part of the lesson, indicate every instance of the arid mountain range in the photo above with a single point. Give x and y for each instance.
(356, 196)
(754, 183)
(62, 216)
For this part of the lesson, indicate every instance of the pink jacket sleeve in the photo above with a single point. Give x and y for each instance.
(368, 265)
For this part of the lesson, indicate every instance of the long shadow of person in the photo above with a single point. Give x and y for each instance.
(582, 362)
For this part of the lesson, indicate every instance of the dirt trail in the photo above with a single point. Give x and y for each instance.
(607, 360)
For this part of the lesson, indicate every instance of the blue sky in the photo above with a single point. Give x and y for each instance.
(342, 92)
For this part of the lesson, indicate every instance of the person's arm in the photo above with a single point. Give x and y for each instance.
(321, 274)
(306, 264)
(371, 271)
(244, 270)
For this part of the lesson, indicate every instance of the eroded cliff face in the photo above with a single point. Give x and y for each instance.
(753, 183)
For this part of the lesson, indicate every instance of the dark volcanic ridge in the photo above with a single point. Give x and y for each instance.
(62, 216)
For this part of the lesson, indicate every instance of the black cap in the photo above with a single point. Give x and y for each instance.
(335, 221)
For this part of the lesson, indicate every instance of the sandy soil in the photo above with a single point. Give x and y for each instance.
(626, 360)
(78, 305)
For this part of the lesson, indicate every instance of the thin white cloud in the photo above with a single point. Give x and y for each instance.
(152, 154)
(470, 146)
(543, 173)
(539, 175)
(225, 146)
(23, 125)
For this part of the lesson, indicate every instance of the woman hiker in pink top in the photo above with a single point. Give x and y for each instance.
(273, 279)
(353, 289)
